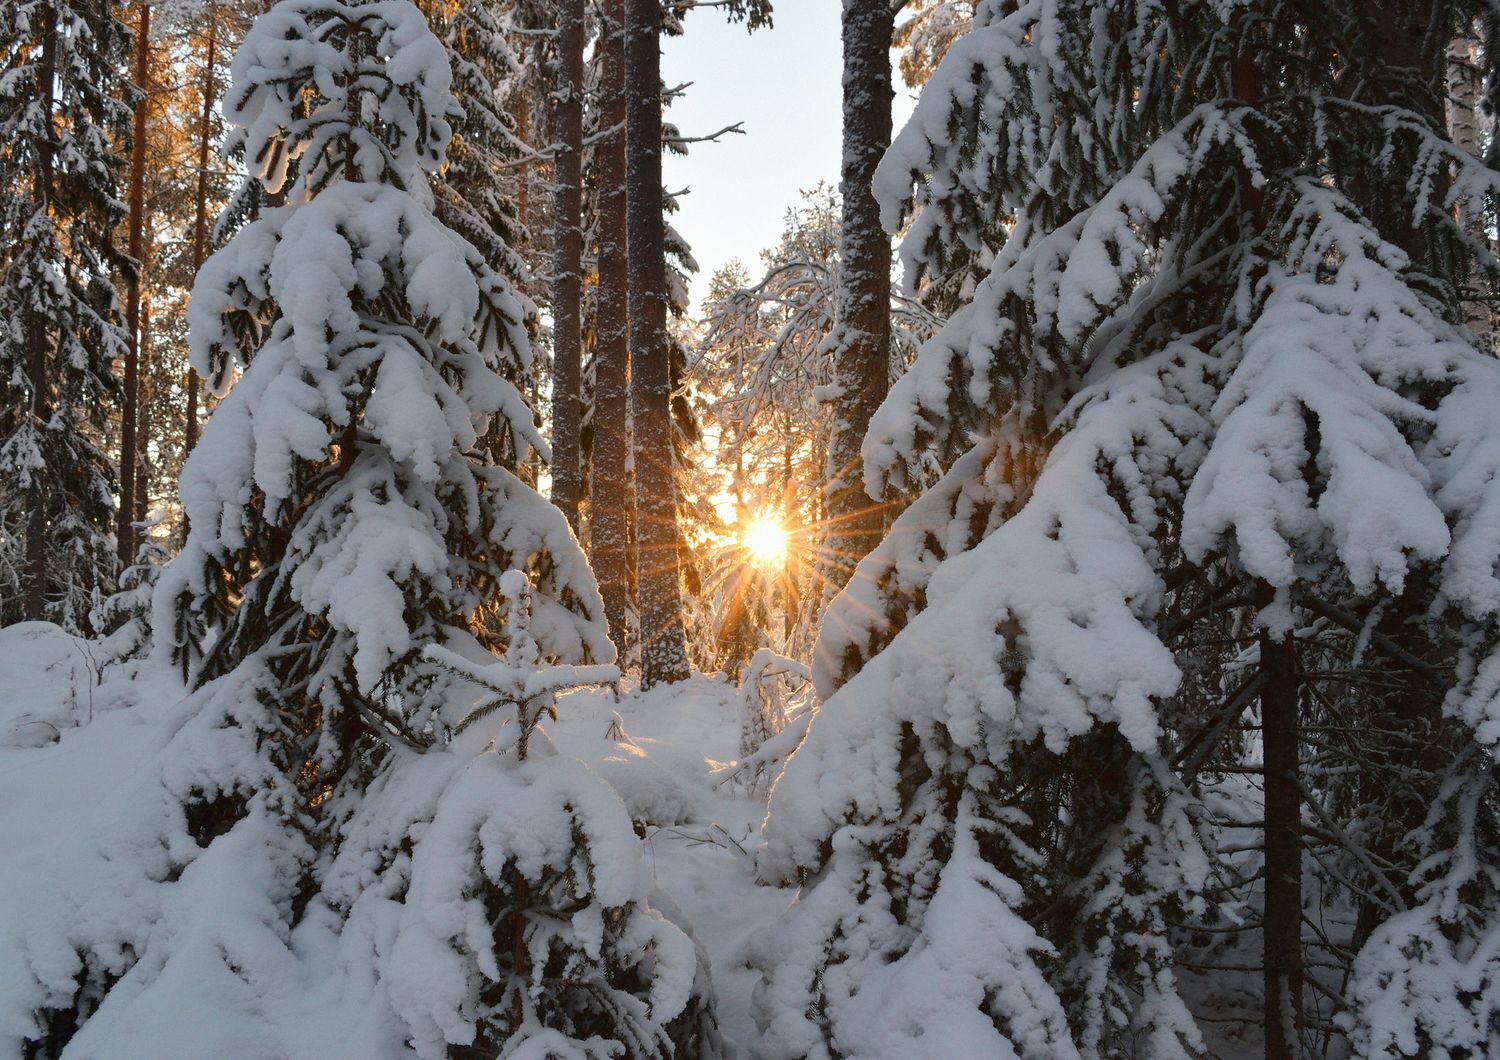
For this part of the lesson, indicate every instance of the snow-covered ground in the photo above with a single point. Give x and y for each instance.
(670, 767)
(75, 759)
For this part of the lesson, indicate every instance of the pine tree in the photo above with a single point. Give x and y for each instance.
(1204, 598)
(130, 438)
(929, 30)
(63, 109)
(658, 537)
(567, 280)
(860, 346)
(208, 91)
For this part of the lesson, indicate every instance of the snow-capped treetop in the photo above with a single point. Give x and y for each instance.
(324, 89)
(342, 476)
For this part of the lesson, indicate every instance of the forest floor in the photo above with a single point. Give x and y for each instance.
(70, 746)
(670, 769)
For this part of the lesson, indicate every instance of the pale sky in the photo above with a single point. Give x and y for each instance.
(783, 83)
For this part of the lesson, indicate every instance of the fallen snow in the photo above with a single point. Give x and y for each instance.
(86, 881)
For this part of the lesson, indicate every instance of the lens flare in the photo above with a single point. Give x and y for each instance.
(766, 540)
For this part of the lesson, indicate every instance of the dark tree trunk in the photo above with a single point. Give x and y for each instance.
(200, 212)
(611, 502)
(37, 338)
(143, 427)
(567, 307)
(124, 533)
(1282, 920)
(663, 647)
(862, 340)
(523, 171)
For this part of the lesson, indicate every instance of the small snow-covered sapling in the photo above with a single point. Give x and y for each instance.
(516, 680)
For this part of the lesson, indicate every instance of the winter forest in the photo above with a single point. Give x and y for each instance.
(1044, 605)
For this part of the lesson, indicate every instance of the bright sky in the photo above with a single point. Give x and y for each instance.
(783, 83)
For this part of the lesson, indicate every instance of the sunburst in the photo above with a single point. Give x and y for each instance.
(765, 539)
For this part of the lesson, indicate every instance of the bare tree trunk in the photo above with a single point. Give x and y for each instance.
(567, 307)
(124, 533)
(862, 338)
(1281, 921)
(143, 430)
(200, 211)
(1470, 129)
(611, 502)
(663, 645)
(523, 171)
(36, 528)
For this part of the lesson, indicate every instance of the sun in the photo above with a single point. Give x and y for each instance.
(766, 540)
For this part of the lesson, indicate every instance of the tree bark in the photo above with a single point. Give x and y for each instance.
(611, 502)
(523, 171)
(567, 303)
(862, 338)
(125, 531)
(200, 212)
(143, 407)
(1281, 927)
(37, 338)
(658, 538)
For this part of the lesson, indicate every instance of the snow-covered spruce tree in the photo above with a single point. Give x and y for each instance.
(1211, 561)
(524, 930)
(342, 509)
(316, 811)
(63, 114)
(468, 521)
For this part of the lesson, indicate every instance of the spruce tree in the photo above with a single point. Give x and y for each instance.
(1202, 611)
(341, 517)
(357, 786)
(64, 112)
(476, 190)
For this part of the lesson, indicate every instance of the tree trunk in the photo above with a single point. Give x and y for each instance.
(862, 338)
(567, 307)
(1466, 126)
(1281, 927)
(200, 213)
(663, 647)
(125, 535)
(37, 339)
(611, 502)
(523, 171)
(143, 427)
